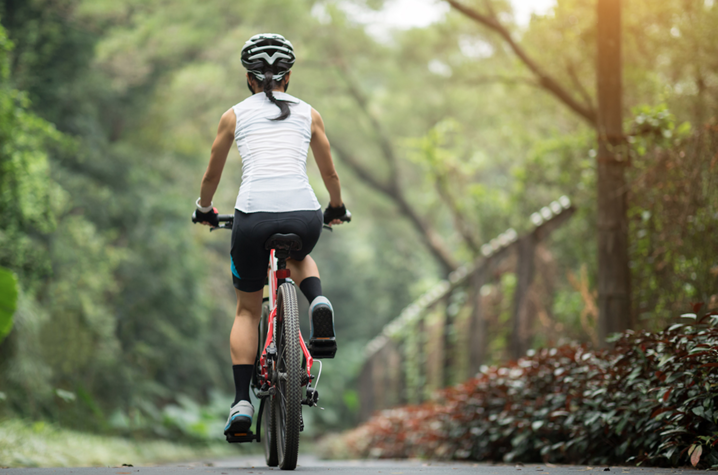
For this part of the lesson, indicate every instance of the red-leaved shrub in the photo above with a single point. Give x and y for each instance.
(652, 399)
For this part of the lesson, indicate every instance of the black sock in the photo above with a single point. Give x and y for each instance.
(311, 287)
(242, 378)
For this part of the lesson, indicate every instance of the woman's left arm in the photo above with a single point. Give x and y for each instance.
(218, 157)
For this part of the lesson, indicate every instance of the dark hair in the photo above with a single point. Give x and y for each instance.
(267, 87)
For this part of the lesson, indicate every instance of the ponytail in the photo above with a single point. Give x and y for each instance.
(268, 86)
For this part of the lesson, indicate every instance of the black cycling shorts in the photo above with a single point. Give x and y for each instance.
(251, 231)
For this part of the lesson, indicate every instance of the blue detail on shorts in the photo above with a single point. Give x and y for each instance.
(234, 269)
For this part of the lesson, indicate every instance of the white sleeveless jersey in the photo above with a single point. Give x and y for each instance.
(274, 155)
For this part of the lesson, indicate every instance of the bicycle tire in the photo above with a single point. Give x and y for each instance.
(288, 399)
(269, 437)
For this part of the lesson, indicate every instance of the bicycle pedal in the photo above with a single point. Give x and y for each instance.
(321, 348)
(240, 437)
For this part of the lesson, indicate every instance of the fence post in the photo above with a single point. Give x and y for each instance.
(415, 393)
(391, 361)
(477, 324)
(434, 344)
(523, 313)
(447, 343)
(366, 391)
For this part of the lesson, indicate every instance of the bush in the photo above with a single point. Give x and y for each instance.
(652, 399)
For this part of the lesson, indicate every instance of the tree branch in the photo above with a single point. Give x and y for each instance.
(384, 142)
(498, 79)
(544, 80)
(431, 239)
(570, 67)
(459, 221)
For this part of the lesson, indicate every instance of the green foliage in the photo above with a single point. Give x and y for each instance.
(673, 209)
(28, 195)
(651, 399)
(82, 264)
(40, 444)
(8, 301)
(107, 112)
(655, 127)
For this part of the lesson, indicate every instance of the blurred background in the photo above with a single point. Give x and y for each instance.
(115, 310)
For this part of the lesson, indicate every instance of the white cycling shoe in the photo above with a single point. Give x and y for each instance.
(322, 339)
(240, 418)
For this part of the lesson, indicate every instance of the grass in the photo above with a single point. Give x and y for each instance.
(26, 444)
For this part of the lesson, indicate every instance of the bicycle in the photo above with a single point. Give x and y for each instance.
(284, 362)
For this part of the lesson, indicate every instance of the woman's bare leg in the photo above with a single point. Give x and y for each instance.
(243, 339)
(300, 270)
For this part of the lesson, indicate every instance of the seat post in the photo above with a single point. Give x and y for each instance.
(283, 244)
(281, 255)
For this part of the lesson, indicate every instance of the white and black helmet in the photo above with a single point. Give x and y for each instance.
(268, 52)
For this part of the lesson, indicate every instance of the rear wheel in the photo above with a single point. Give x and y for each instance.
(288, 400)
(269, 436)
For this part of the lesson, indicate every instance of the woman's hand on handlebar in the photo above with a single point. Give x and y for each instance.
(336, 215)
(210, 218)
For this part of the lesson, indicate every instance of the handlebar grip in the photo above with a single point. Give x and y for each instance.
(225, 217)
(347, 217)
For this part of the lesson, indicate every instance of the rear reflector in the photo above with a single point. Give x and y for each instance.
(282, 273)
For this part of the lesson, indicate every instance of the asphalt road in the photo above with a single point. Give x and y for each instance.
(256, 466)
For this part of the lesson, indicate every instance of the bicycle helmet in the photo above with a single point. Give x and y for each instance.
(268, 52)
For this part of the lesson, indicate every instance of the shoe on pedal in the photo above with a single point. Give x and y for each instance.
(322, 340)
(240, 418)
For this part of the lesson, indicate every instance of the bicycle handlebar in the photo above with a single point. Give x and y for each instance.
(227, 220)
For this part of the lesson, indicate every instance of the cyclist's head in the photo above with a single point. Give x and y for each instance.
(268, 58)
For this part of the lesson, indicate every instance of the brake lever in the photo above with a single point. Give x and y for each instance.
(221, 226)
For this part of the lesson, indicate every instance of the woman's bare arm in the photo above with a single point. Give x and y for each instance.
(218, 157)
(323, 156)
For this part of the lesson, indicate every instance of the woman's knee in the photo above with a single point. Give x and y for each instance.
(249, 304)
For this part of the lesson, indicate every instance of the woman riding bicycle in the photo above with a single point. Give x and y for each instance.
(275, 197)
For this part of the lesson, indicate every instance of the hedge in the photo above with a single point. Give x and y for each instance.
(652, 399)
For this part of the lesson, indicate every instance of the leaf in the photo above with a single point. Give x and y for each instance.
(696, 457)
(66, 396)
(692, 316)
(697, 306)
(8, 301)
(667, 394)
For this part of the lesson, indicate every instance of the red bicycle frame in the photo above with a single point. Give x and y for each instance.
(273, 288)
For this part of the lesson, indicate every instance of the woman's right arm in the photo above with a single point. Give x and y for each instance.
(323, 156)
(218, 157)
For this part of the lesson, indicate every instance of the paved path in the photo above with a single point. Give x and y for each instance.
(256, 466)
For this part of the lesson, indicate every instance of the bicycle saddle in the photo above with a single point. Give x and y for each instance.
(286, 242)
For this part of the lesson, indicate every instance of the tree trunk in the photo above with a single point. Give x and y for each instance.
(613, 274)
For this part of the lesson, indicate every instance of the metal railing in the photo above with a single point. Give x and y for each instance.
(412, 355)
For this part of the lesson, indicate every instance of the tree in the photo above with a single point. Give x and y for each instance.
(614, 292)
(613, 273)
